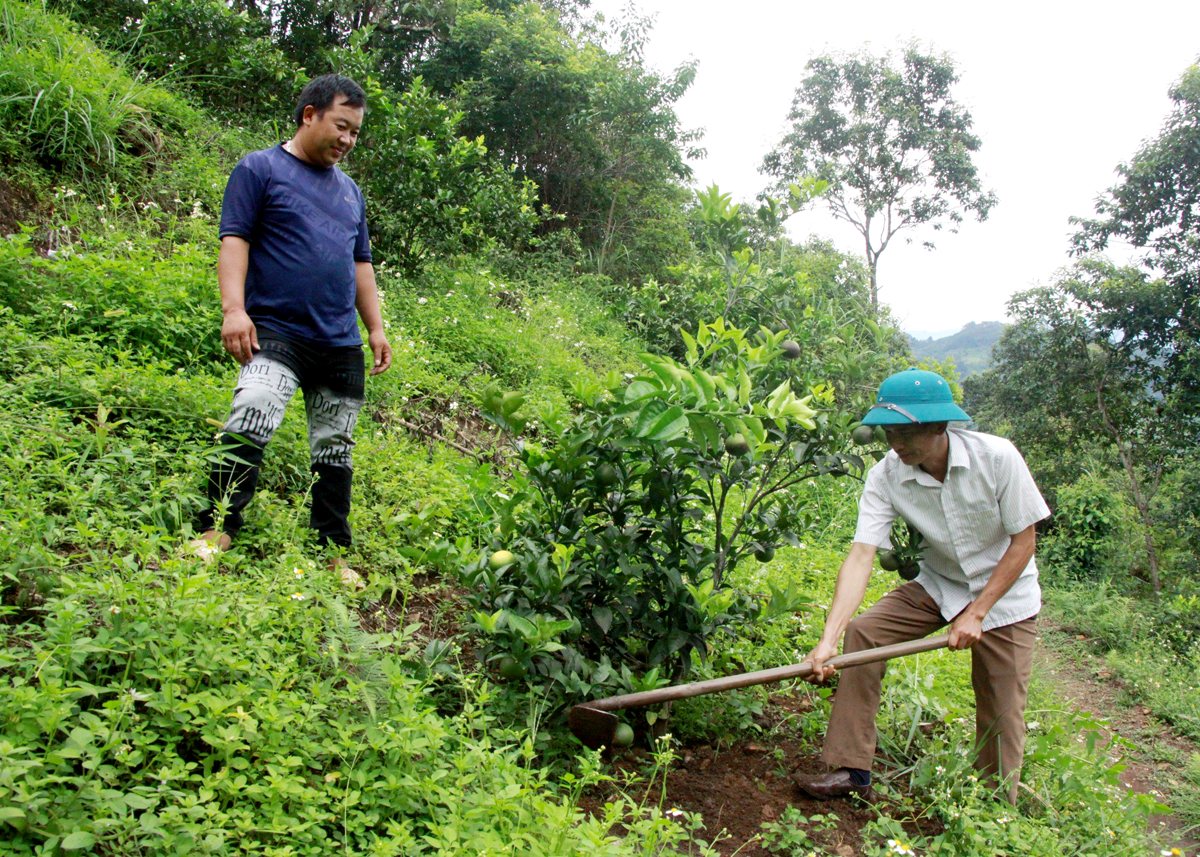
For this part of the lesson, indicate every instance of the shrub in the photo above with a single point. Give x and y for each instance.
(627, 525)
(430, 192)
(1090, 531)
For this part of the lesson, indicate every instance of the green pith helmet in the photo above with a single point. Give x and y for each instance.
(914, 396)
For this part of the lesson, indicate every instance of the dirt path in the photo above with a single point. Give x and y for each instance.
(1083, 680)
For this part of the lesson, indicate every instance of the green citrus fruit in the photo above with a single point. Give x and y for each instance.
(791, 349)
(880, 437)
(500, 559)
(623, 737)
(863, 435)
(910, 570)
(888, 561)
(511, 668)
(764, 554)
(606, 474)
(736, 444)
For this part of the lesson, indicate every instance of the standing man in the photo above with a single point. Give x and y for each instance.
(972, 498)
(294, 266)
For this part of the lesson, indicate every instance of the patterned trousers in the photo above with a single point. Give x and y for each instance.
(332, 381)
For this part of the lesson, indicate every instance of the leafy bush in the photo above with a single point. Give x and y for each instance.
(1091, 530)
(617, 554)
(431, 193)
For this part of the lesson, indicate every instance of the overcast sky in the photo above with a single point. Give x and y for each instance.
(1060, 92)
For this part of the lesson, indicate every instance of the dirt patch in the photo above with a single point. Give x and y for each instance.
(437, 606)
(17, 205)
(737, 790)
(1083, 680)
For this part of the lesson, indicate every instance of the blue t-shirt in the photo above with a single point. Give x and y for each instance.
(307, 226)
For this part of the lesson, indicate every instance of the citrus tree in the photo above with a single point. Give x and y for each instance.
(611, 565)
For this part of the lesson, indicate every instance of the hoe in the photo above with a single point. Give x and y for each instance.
(595, 725)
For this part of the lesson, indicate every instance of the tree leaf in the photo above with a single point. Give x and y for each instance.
(669, 426)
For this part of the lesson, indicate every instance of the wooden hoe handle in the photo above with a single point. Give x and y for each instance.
(800, 670)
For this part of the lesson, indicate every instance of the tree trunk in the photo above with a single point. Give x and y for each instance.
(872, 265)
(608, 231)
(1141, 502)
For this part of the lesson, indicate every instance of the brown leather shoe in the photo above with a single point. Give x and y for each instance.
(829, 786)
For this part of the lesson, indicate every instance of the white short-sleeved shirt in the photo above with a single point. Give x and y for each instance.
(967, 521)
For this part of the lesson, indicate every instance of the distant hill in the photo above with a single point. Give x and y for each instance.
(971, 347)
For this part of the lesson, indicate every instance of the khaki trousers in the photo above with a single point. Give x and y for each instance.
(1000, 666)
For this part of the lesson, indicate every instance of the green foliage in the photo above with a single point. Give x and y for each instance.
(891, 141)
(156, 705)
(790, 835)
(1108, 399)
(431, 193)
(69, 103)
(223, 56)
(595, 131)
(1153, 207)
(639, 510)
(1091, 529)
(751, 276)
(114, 297)
(1080, 806)
(1154, 648)
(139, 718)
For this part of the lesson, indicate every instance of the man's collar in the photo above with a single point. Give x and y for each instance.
(958, 452)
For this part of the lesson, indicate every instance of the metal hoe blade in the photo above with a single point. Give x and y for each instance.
(594, 728)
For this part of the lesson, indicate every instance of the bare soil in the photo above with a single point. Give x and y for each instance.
(738, 789)
(17, 205)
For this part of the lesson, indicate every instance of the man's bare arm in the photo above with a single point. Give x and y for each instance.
(852, 580)
(238, 333)
(967, 628)
(367, 301)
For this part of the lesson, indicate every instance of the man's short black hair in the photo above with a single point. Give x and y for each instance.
(321, 92)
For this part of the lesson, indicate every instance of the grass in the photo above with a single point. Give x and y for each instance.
(67, 100)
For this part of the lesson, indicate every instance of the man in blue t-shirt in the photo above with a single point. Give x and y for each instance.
(295, 273)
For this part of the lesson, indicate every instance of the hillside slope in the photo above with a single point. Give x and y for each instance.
(970, 348)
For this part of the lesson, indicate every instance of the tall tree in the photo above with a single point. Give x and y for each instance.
(594, 130)
(1155, 206)
(892, 142)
